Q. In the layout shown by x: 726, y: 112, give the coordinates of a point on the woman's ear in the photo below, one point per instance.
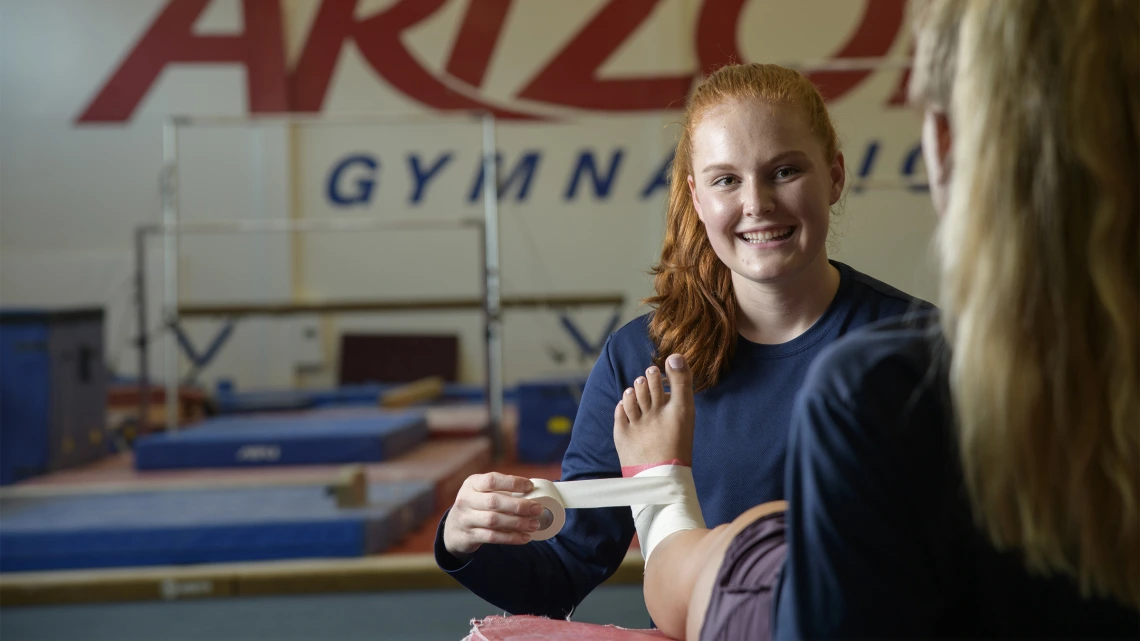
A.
x: 696, y: 202
x: 937, y: 155
x: 838, y: 177
x: 937, y: 134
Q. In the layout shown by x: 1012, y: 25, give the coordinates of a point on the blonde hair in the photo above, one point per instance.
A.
x: 695, y: 305
x: 1040, y: 250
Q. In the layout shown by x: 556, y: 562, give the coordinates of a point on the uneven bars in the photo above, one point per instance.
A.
x: 289, y: 224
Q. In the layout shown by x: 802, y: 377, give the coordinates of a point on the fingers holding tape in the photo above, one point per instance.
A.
x: 475, y: 520
x: 502, y: 522
x: 507, y: 504
x: 501, y: 538
x: 498, y: 482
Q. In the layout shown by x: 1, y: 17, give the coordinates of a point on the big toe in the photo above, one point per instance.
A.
x: 680, y: 379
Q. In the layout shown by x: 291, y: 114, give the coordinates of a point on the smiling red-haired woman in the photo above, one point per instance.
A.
x: 745, y: 292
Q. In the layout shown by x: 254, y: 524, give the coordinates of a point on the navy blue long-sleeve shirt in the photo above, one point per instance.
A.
x: 881, y: 540
x: 738, y: 452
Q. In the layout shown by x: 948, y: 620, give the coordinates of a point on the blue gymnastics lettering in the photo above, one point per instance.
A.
x: 908, y: 168
x: 421, y: 177
x: 363, y: 185
x: 660, y: 180
x: 867, y: 166
x: 522, y: 174
x: 587, y: 165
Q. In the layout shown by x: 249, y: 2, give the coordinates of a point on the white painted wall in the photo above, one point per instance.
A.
x: 71, y: 194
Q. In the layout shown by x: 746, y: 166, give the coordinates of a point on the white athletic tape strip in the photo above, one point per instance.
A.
x: 654, y: 522
x: 663, y: 500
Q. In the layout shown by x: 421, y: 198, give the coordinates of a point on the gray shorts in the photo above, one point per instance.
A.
x: 740, y: 606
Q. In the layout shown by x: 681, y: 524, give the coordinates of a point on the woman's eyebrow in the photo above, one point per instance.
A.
x: 783, y: 155
x: 717, y: 167
x: 786, y: 154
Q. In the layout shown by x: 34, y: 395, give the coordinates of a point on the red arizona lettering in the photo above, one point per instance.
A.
x: 378, y: 39
x: 569, y: 79
x: 900, y: 96
x: 170, y: 40
x: 476, y: 41
x: 716, y: 40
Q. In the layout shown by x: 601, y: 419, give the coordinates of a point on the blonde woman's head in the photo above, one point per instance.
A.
x: 1034, y: 109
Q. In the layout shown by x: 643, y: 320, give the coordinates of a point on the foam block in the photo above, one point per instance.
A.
x: 203, y: 526
x: 414, y: 393
x: 284, y: 440
x: 264, y: 401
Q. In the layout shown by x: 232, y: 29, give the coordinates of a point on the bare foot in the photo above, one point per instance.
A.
x: 652, y: 426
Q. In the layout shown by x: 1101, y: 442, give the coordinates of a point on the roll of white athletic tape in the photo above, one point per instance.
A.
x: 554, y: 515
x: 660, y: 486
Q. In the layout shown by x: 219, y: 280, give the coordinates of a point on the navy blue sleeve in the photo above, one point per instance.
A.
x: 859, y: 551
x: 550, y: 578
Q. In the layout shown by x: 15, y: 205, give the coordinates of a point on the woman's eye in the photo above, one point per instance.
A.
x: 725, y: 180
x: 786, y: 172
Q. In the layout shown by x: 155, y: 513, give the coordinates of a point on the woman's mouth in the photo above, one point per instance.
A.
x: 767, y: 236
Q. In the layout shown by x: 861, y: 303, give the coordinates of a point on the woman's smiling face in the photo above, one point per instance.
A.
x: 763, y: 189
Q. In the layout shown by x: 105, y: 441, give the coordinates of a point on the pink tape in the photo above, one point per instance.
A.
x: 634, y: 470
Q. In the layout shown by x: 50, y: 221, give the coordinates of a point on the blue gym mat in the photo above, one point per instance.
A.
x: 232, y: 402
x: 204, y: 526
x: 295, y: 439
x: 229, y: 401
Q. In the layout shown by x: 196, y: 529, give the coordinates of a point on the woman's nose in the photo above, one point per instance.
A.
x: 758, y: 200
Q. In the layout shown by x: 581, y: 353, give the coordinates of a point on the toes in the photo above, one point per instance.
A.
x: 656, y: 389
x: 621, y: 421
x: 629, y: 403
x: 680, y: 379
x: 641, y: 391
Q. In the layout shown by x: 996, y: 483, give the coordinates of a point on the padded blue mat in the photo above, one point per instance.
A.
x: 204, y: 526
x: 231, y: 402
x: 228, y: 401
x: 291, y: 439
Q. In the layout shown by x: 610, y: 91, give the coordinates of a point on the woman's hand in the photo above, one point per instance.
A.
x: 486, y: 511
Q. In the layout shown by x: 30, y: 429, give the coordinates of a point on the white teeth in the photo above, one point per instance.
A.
x: 764, y: 236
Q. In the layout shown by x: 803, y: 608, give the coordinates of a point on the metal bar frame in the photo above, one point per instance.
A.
x: 547, y: 302
x: 170, y: 228
x: 256, y: 225
x: 173, y: 311
x: 169, y: 275
x: 492, y: 309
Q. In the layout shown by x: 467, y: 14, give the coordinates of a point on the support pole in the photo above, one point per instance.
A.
x: 142, y: 340
x: 492, y: 295
x: 170, y: 267
x: 297, y: 292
